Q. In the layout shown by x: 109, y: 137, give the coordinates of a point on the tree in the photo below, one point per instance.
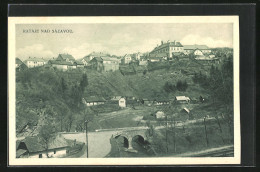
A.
x: 83, y: 83
x: 182, y: 85
x: 46, y: 134
x: 64, y: 86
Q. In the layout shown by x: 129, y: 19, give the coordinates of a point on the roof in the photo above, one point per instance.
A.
x: 159, y: 55
x: 167, y: 44
x: 182, y: 98
x: 193, y: 47
x: 35, y: 59
x: 67, y: 56
x: 19, y: 152
x: 34, y: 143
x: 59, y: 62
x: 127, y: 55
x: 99, y: 59
x: 177, y: 53
x: 95, y: 99
x: 162, y: 99
x: 110, y: 59
x: 186, y: 110
x: 79, y: 62
x: 18, y: 61
x: 116, y: 97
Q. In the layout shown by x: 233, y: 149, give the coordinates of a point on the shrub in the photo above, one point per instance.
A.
x: 182, y: 85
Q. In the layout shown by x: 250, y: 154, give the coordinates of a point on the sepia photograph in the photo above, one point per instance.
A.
x: 124, y: 90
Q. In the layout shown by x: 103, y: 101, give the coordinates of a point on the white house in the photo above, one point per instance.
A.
x: 127, y: 59
x: 34, y: 62
x: 33, y: 147
x: 198, y: 52
x: 122, y: 102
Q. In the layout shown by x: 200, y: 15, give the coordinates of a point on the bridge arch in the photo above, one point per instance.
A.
x: 139, y: 138
x: 126, y: 142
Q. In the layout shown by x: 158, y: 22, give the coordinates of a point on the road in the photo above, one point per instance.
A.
x: 99, y: 142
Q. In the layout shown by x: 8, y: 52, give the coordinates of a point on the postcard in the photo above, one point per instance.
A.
x: 135, y: 90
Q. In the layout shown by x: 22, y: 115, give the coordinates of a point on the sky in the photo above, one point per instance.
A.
x: 116, y: 39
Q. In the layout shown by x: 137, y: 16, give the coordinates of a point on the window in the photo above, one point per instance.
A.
x: 40, y: 155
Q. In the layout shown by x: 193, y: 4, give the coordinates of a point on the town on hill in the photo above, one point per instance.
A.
x: 170, y: 101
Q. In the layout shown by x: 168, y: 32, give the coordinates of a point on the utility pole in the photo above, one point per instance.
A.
x: 86, y: 126
x: 206, y: 134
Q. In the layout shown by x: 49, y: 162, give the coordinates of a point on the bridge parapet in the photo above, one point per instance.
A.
x: 130, y: 134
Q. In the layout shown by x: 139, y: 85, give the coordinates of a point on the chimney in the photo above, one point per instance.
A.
x: 174, y: 42
x: 161, y: 42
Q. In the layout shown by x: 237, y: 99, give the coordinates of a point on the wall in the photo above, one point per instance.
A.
x: 59, y: 153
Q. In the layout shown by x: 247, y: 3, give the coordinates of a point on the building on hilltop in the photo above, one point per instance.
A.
x: 65, y: 57
x: 19, y: 65
x: 104, y: 64
x: 92, y: 55
x: 188, y: 49
x: 127, y: 59
x: 110, y: 64
x: 168, y: 48
x: 60, y: 65
x: 35, y: 62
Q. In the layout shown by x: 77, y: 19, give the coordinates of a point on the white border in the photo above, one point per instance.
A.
x: 121, y: 161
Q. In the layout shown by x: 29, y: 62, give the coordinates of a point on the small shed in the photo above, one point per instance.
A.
x: 185, y: 110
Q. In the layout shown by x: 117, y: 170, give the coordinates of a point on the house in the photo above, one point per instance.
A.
x: 34, y: 62
x: 34, y: 147
x: 65, y: 57
x: 97, y: 64
x: 168, y: 48
x: 122, y: 102
x: 188, y: 49
x: 148, y: 102
x: 179, y: 56
x: 158, y: 56
x: 161, y: 102
x: 127, y: 59
x: 60, y: 65
x: 137, y: 56
x: 154, y: 59
x: 78, y: 64
x: 182, y: 99
x: 93, y: 101
x: 143, y: 62
x: 19, y: 65
x: 110, y: 64
x: 198, y: 52
x: 160, y: 115
x: 92, y: 55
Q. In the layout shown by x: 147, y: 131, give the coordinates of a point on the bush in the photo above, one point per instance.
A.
x: 182, y: 85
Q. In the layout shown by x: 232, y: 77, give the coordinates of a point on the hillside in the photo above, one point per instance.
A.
x: 50, y: 96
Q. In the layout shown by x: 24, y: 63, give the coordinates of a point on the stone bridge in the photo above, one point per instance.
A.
x: 128, y: 136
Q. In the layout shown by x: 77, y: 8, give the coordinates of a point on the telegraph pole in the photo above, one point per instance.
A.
x: 86, y: 125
